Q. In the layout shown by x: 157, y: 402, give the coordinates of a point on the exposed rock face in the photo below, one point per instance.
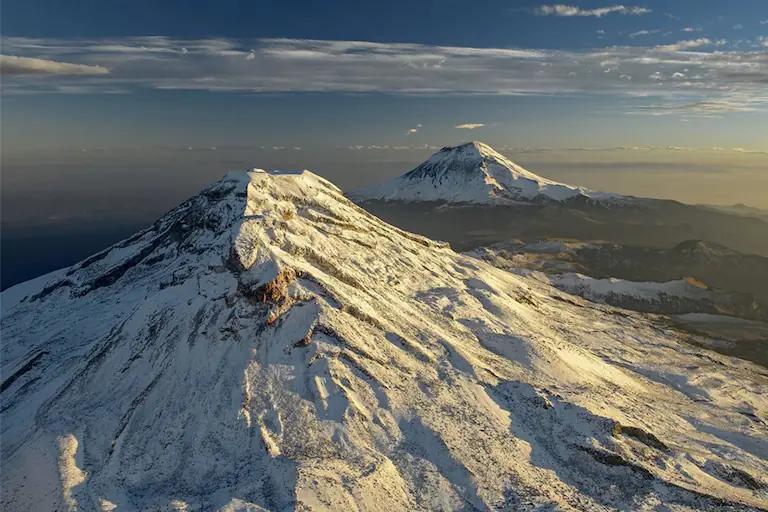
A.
x: 270, y: 345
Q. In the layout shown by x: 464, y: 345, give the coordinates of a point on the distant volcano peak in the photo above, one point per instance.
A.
x: 472, y: 172
x: 475, y: 146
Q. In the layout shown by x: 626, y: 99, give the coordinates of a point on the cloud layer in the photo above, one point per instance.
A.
x: 695, y: 76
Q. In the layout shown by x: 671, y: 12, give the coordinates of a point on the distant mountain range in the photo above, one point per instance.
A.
x: 740, y: 209
x: 693, y: 276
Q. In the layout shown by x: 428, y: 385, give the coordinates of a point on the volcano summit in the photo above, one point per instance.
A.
x: 473, y: 173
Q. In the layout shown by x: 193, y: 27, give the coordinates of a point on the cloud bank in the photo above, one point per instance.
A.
x: 697, y: 75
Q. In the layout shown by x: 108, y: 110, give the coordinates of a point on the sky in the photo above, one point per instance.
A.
x: 114, y: 110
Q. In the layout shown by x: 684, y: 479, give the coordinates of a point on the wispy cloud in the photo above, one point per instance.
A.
x: 750, y: 151
x: 12, y: 65
x: 572, y: 10
x: 413, y: 130
x: 683, y: 74
x: 690, y: 44
x: 469, y: 126
x: 643, y: 33
x: 705, y: 107
x: 387, y: 147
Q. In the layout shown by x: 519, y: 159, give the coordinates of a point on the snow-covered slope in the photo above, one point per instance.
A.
x: 472, y: 173
x: 671, y: 297
x: 270, y: 345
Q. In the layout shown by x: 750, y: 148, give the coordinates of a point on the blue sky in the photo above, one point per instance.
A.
x: 499, y: 23
x: 624, y: 82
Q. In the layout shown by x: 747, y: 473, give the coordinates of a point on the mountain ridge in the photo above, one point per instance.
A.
x: 269, y: 345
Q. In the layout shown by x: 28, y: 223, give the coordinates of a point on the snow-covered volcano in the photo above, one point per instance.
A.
x: 472, y: 173
x: 268, y: 345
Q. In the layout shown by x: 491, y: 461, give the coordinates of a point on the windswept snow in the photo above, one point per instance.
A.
x: 598, y: 289
x: 676, y: 296
x: 472, y: 173
x: 270, y: 345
